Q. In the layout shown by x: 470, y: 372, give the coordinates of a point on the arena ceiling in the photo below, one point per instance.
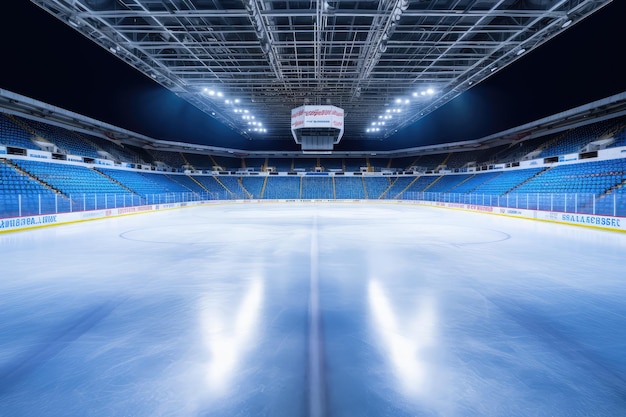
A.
x: 387, y: 63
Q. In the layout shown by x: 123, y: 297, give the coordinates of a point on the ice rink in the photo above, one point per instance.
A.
x: 313, y: 310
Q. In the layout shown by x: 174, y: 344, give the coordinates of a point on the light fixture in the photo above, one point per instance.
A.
x: 74, y: 22
x: 566, y: 24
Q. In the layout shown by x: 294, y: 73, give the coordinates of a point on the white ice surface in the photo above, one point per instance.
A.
x: 211, y: 311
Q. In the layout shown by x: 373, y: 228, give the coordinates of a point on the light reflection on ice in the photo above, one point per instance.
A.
x: 405, y: 338
x: 227, y: 336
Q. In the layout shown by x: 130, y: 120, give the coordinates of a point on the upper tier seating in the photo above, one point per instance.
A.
x: 304, y: 164
x: 332, y: 164
x: 574, y: 140
x: 281, y: 164
x: 354, y: 164
x: 67, y: 141
x: 118, y: 152
x: 199, y: 162
x: 171, y: 159
x: 228, y: 164
x: 12, y: 134
x: 256, y: 164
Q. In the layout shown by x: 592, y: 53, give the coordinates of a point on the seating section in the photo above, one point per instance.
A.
x: 471, y: 182
x: 118, y: 152
x: 501, y: 182
x: 304, y: 164
x: 517, y: 151
x: 461, y: 159
x: 430, y: 162
x: 21, y: 194
x: 446, y: 183
x: 31, y: 186
x: 354, y: 164
x: 613, y: 203
x: 281, y: 187
x: 574, y: 140
x: 229, y: 164
x: 84, y: 187
x: 574, y: 187
x: 620, y: 138
x: 71, y: 180
x: 332, y: 164
x: 187, y: 182
x: 419, y: 184
x: 171, y: 159
x: 317, y: 187
x: 28, y: 186
x: 376, y: 186
x: 199, y: 162
x: 378, y: 164
x: 12, y: 134
x: 254, y: 186
x: 256, y: 164
x: 588, y: 177
x: 281, y: 164
x: 400, y: 164
x: 67, y: 141
x: 234, y: 186
x: 398, y: 186
x: 145, y: 184
x: 349, y: 188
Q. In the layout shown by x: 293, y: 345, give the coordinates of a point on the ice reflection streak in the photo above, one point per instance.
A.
x: 406, y: 344
x: 228, y: 336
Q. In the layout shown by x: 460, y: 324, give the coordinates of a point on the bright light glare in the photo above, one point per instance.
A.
x: 407, y: 344
x: 227, y: 336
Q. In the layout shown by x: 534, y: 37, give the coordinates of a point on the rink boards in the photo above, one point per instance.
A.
x: 30, y: 222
